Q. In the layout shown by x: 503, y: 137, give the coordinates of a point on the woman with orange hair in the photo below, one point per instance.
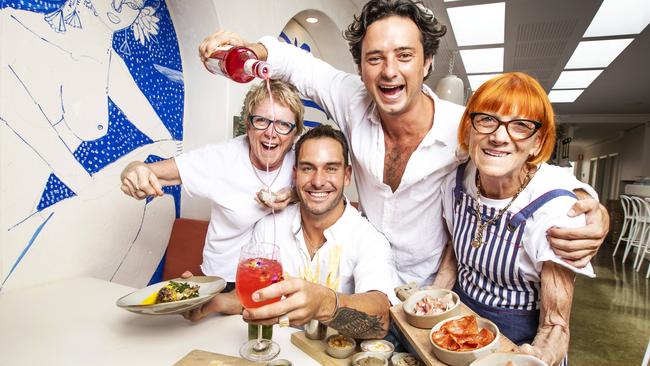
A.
x: 504, y: 200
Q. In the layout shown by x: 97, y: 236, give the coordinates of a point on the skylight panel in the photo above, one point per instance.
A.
x: 590, y: 54
x: 576, y: 79
x: 478, y: 24
x: 483, y: 60
x: 616, y: 17
x: 477, y: 80
x: 564, y: 96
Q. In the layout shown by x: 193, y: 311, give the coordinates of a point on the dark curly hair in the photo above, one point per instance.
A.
x: 374, y: 10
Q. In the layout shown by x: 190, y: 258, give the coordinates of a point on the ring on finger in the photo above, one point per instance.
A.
x: 283, y: 321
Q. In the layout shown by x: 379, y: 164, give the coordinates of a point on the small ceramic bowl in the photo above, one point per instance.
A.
x: 369, y: 359
x: 456, y: 358
x: 340, y: 346
x: 428, y: 321
x: 378, y: 345
x: 501, y: 358
x: 405, y: 359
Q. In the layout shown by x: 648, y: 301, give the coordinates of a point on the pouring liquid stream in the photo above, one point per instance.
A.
x: 260, y: 346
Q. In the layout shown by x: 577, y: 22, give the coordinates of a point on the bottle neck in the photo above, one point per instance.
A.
x: 257, y: 68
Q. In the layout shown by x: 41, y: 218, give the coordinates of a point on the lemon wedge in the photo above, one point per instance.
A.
x: 151, y: 299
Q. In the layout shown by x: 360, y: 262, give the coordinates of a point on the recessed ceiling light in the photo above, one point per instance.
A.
x: 311, y: 20
x: 576, y: 79
x: 477, y: 80
x: 590, y: 54
x: 564, y: 96
x: 616, y: 17
x: 469, y: 24
x: 483, y: 60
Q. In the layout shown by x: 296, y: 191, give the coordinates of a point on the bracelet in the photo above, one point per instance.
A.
x: 336, y: 307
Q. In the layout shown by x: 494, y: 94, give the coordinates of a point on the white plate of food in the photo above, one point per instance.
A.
x: 172, y: 297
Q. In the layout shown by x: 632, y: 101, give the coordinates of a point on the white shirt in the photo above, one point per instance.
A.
x: 410, y: 217
x: 223, y: 173
x: 355, y: 257
x: 537, y: 249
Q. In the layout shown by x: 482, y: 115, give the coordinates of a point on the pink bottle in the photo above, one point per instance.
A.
x: 238, y: 63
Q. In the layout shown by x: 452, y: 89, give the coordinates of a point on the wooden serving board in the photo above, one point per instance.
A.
x: 204, y: 358
x: 419, y: 338
x: 316, y: 349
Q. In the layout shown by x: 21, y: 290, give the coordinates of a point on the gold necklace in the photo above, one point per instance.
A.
x: 308, y: 243
x: 478, y: 234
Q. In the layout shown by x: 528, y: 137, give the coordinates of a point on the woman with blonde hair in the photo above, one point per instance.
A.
x: 499, y: 206
x: 230, y: 175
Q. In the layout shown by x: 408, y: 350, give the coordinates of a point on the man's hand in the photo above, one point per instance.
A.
x: 223, y: 38
x: 304, y: 301
x: 216, y: 40
x: 139, y: 181
x: 578, y: 245
x: 276, y: 201
x: 224, y: 303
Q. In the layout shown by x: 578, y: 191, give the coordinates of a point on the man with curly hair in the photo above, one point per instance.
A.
x: 402, y: 136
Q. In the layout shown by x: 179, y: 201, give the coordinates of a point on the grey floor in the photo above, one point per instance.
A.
x: 610, y: 320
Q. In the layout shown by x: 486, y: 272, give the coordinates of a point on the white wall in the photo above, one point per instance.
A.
x: 632, y: 150
x: 252, y: 20
x: 206, y: 96
x: 57, y: 105
x: 85, y: 89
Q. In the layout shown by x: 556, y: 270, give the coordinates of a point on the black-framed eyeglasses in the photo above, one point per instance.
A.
x: 262, y: 123
x: 518, y: 129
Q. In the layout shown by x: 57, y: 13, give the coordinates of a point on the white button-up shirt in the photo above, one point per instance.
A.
x: 410, y: 217
x: 355, y: 257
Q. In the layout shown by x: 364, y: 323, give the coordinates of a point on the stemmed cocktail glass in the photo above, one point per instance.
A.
x: 259, y: 266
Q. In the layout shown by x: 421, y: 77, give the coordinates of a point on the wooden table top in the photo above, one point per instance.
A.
x: 419, y: 338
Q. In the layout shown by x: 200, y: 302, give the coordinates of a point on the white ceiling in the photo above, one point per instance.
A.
x: 540, y: 37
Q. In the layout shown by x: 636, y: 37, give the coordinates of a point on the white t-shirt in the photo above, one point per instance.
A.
x: 355, y: 258
x: 410, y: 217
x: 537, y: 249
x: 223, y: 173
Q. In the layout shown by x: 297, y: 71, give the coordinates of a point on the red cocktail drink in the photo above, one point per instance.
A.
x: 259, y: 266
x: 254, y: 274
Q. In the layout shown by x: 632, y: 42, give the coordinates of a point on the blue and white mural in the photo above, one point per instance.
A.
x: 87, y: 86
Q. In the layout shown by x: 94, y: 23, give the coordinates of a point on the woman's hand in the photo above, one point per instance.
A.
x: 548, y: 345
x: 276, y: 201
x: 578, y: 245
x: 139, y: 181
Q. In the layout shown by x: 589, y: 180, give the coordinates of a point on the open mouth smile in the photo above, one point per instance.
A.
x: 391, y: 91
x: 269, y: 146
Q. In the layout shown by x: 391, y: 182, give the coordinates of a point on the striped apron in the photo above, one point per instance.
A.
x: 489, y: 279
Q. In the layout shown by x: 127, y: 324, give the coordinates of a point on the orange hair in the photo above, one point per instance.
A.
x: 513, y: 93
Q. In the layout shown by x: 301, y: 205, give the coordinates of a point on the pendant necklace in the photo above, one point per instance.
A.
x: 478, y: 234
x: 264, y: 185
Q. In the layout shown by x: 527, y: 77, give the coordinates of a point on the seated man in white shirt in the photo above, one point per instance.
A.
x: 339, y: 266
